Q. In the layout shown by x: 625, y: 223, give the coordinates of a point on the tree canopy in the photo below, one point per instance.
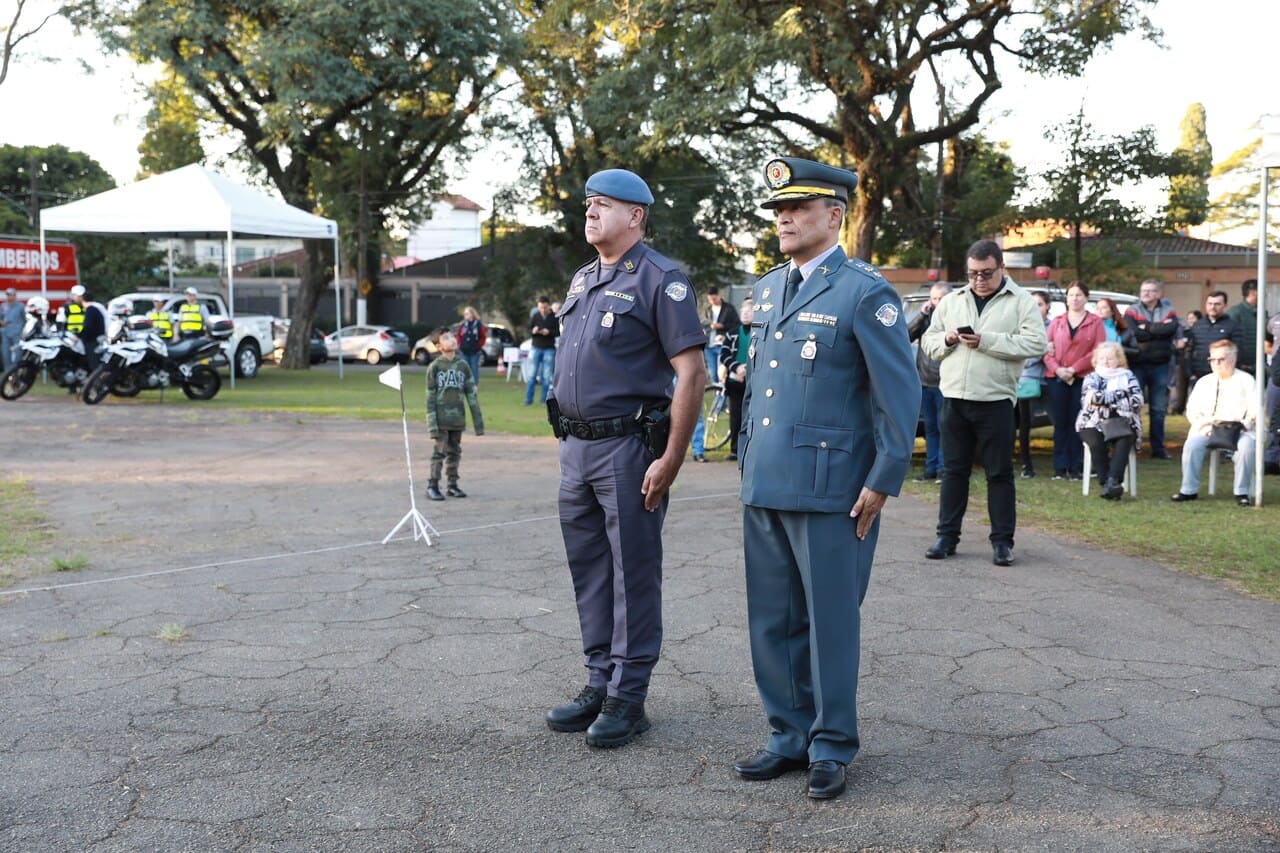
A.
x: 300, y: 85
x: 108, y: 265
x: 1192, y: 165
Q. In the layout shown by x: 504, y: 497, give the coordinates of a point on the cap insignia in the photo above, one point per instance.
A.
x: 778, y: 174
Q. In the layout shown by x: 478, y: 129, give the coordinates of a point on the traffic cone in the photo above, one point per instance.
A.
x: 502, y: 368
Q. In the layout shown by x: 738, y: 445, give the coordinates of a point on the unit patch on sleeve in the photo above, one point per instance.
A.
x: 677, y: 291
x: 818, y: 319
x: 887, y: 314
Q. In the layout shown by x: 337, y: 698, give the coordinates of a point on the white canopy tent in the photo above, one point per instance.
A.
x: 192, y: 201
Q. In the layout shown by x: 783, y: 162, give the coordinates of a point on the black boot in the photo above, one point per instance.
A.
x: 433, y: 491
x: 579, y: 712
x: 619, y: 722
x: 1112, y: 491
x: 454, y: 492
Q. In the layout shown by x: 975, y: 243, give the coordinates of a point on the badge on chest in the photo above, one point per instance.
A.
x: 809, y: 351
x: 607, y: 320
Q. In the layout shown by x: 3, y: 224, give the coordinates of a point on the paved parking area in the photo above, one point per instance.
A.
x: 332, y: 693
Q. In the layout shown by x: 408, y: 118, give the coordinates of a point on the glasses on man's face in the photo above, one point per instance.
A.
x: 1217, y: 360
x: 981, y: 275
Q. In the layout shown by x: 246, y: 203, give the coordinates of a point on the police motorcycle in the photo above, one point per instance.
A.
x: 137, y: 359
x: 58, y: 351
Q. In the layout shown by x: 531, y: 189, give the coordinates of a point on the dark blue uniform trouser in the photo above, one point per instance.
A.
x: 614, y: 548
x: 807, y: 573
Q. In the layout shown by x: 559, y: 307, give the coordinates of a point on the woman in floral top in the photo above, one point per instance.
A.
x: 1110, y: 391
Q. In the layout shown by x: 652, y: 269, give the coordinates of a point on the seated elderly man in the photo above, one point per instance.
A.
x: 1224, y: 397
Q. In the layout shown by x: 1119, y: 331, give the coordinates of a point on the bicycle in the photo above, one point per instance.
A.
x: 715, y: 417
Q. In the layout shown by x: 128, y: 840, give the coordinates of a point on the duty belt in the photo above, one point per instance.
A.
x: 607, y: 428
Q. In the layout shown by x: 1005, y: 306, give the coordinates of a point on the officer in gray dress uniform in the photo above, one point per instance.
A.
x: 629, y: 323
x: 828, y: 426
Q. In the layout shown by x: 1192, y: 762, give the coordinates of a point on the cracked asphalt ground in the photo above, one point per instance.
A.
x: 332, y: 693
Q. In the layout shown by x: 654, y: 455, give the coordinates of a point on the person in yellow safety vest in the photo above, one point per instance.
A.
x: 72, y: 313
x: 193, y: 318
x: 161, y: 320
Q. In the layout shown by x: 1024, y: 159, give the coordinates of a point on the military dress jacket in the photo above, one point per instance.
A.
x: 832, y: 396
x: 620, y: 327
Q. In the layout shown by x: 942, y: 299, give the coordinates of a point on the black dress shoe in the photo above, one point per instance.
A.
x: 1160, y: 454
x: 433, y: 492
x: 1002, y: 554
x: 578, y: 713
x: 826, y: 779
x: 1179, y: 497
x: 455, y: 492
x: 1113, y: 490
x: 1243, y: 500
x: 765, y: 765
x: 941, y: 548
x: 618, y: 724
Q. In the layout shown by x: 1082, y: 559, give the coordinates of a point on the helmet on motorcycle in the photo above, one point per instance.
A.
x: 120, y: 307
x: 38, y: 305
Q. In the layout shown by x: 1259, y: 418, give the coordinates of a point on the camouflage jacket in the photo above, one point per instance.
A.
x: 449, y: 380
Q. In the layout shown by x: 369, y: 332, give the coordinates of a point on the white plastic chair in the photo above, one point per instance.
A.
x: 1130, y: 472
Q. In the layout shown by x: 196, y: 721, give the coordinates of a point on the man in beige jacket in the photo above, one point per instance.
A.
x: 981, y: 334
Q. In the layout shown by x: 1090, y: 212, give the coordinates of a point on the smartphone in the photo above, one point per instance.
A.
x: 965, y: 330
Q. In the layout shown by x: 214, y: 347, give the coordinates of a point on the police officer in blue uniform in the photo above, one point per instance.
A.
x: 829, y: 419
x: 628, y: 324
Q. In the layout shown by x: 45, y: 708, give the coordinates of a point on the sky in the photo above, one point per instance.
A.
x: 1213, y: 54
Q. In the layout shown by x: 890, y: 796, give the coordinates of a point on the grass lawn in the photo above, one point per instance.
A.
x: 1212, y: 536
x: 25, y: 528
x: 358, y: 394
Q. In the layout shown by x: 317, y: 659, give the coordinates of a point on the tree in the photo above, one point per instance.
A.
x: 1192, y: 165
x: 172, y: 139
x: 772, y: 61
x: 1237, y: 206
x: 593, y: 77
x: 1080, y: 191
x: 977, y: 182
x: 15, y: 32
x: 56, y: 175
x: 303, y: 85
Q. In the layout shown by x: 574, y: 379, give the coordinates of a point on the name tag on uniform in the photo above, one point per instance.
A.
x: 817, y: 319
x: 809, y: 351
x: 627, y: 296
x: 607, y: 320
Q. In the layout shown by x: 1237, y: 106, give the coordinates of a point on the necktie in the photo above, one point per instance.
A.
x: 793, y: 284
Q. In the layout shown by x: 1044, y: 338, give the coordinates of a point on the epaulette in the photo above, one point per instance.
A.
x: 662, y: 262
x: 588, y: 265
x: 863, y: 266
x: 773, y: 269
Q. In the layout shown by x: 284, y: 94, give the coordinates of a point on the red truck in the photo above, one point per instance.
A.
x: 20, y: 263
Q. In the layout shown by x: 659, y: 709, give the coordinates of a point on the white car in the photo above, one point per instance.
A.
x: 369, y: 343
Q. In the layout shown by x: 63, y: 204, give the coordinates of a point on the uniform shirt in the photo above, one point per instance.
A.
x: 832, y: 391
x: 620, y: 328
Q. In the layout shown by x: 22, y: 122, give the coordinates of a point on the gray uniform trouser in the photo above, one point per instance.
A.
x: 807, y: 573
x: 614, y: 549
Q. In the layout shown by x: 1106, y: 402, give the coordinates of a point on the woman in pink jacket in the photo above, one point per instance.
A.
x: 1073, y: 337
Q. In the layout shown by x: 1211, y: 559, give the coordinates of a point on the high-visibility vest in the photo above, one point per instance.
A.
x: 190, y: 321
x: 162, y: 323
x: 75, y: 318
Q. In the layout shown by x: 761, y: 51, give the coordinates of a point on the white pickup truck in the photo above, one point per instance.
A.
x: 244, y: 349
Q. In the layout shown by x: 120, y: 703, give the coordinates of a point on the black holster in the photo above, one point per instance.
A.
x: 553, y: 416
x: 655, y: 426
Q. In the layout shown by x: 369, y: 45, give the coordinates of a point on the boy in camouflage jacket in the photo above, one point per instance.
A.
x: 449, y: 379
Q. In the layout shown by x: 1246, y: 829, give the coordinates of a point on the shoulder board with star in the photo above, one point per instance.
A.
x: 863, y: 266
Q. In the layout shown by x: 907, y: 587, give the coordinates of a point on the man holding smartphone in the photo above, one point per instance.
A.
x: 980, y: 335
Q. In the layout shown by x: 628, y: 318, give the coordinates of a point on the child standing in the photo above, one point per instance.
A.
x: 449, y: 379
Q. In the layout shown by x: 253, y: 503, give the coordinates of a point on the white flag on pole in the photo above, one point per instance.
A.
x: 391, y: 378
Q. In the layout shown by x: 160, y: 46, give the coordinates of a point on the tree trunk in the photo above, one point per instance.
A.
x: 858, y: 233
x: 297, y: 347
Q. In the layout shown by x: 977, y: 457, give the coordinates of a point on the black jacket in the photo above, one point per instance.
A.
x: 1206, y: 332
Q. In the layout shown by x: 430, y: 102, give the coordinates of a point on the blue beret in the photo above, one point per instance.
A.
x: 794, y: 179
x: 620, y: 184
